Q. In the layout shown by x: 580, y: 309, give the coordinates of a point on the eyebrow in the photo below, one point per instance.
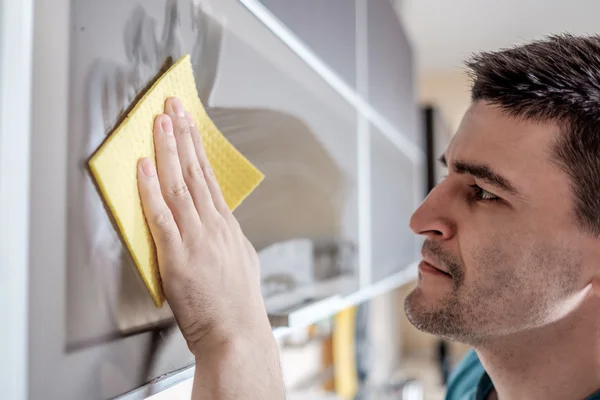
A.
x: 484, y: 172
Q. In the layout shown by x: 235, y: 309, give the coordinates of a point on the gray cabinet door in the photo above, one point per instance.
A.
x: 93, y: 329
x: 393, y: 184
x: 328, y: 27
x: 391, y: 87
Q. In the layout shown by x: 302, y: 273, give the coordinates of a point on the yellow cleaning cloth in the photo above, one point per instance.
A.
x: 114, y: 166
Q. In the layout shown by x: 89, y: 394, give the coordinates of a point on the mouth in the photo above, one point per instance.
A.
x: 427, y: 267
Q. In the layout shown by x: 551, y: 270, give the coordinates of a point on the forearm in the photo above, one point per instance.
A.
x: 242, y: 368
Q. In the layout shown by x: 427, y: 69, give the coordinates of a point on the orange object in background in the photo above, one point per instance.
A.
x: 339, y: 352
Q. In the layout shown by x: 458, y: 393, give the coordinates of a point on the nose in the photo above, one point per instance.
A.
x: 433, y: 218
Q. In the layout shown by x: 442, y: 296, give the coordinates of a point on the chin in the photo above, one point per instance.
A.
x: 424, y: 299
x: 440, y: 317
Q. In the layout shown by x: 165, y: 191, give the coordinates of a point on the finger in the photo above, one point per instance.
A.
x: 209, y: 175
x: 162, y: 225
x: 173, y: 187
x: 192, y: 172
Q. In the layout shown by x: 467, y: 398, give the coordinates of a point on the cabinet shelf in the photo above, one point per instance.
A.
x: 297, y: 317
x: 179, y: 384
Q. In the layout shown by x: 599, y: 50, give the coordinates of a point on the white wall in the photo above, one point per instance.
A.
x: 450, y: 91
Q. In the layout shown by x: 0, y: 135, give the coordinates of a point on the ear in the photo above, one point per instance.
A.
x: 596, y: 285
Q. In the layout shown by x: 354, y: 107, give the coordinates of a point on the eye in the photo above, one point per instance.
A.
x: 482, y: 195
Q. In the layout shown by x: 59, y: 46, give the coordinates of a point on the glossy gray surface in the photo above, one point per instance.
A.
x: 90, y: 317
x: 392, y: 185
x: 91, y: 58
x: 327, y: 27
x: 265, y: 113
x: 391, y: 83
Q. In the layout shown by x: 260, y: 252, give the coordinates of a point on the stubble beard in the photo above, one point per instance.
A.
x: 446, y: 320
x: 450, y: 318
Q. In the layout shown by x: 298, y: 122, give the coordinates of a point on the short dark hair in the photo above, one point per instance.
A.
x: 554, y: 79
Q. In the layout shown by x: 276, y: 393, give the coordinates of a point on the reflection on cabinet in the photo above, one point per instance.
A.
x: 328, y: 28
x: 392, y: 196
x: 391, y: 81
x: 94, y: 332
x: 300, y: 134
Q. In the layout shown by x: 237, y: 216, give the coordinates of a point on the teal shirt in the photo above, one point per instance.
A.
x: 469, y: 381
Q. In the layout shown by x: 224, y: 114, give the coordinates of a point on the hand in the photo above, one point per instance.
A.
x: 209, y: 269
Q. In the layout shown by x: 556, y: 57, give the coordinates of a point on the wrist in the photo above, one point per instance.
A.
x: 239, y: 366
x: 222, y: 341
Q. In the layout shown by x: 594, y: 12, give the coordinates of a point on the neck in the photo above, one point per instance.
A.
x: 561, y: 361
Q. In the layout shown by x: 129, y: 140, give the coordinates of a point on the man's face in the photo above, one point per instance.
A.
x: 502, y: 225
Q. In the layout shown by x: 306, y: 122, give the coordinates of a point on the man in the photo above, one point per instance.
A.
x: 512, y: 235
x: 512, y: 239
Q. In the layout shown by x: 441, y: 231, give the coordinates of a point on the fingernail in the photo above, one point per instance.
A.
x: 148, y: 167
x: 167, y: 125
x: 190, y: 120
x: 177, y: 107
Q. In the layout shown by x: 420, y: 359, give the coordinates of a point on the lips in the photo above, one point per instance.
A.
x: 432, y: 264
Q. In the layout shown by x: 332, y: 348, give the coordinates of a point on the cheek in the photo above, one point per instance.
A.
x: 516, y: 255
x: 493, y: 277
x: 491, y: 258
x: 520, y: 274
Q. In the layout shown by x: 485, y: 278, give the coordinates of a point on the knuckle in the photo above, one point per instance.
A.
x: 167, y: 238
x: 209, y: 171
x: 182, y: 128
x: 232, y: 220
x: 220, y: 230
x: 179, y: 190
x: 225, y: 228
x: 163, y: 218
x: 194, y: 172
x: 172, y: 149
x: 220, y: 227
x: 162, y: 221
x: 250, y: 249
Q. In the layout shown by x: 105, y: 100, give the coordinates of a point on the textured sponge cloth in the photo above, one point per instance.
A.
x: 114, y: 166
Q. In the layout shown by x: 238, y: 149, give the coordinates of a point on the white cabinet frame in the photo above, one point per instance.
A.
x: 16, y: 31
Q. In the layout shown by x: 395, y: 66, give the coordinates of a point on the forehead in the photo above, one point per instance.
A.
x: 516, y: 147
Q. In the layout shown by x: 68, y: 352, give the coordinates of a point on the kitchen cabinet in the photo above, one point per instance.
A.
x: 328, y: 28
x: 394, y: 180
x: 307, y: 112
x: 391, y: 70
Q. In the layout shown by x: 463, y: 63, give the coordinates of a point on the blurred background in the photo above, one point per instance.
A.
x: 344, y: 105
